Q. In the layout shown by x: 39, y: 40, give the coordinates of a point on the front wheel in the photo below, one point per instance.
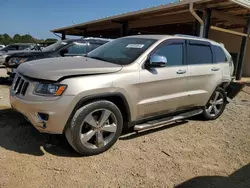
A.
x: 95, y: 127
x: 216, y: 105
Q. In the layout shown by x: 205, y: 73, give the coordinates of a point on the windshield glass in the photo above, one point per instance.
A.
x: 122, y: 51
x: 55, y: 46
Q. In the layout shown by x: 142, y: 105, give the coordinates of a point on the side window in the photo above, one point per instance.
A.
x: 173, y: 53
x: 77, y: 49
x: 12, y: 47
x: 23, y: 47
x: 219, y: 55
x: 199, y: 54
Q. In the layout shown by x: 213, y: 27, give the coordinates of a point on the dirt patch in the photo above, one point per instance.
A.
x: 190, y: 154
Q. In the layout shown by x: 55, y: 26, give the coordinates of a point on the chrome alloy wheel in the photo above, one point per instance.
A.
x: 98, y: 129
x: 215, y: 105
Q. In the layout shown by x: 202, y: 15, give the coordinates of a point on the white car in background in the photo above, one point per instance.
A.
x: 2, y: 46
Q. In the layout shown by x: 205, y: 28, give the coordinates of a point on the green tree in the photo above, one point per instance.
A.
x: 27, y: 38
x: 17, y: 38
x: 50, y: 40
x: 6, y: 39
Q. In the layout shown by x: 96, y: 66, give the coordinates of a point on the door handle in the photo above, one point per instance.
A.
x: 181, y: 71
x: 215, y: 69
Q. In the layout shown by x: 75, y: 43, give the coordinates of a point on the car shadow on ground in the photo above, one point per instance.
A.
x: 16, y: 134
x: 238, y: 179
x: 5, y: 81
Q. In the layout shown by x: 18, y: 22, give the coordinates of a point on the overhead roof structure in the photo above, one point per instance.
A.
x: 170, y: 18
x: 192, y: 17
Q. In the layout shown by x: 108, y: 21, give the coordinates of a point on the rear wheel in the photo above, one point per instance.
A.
x: 95, y: 128
x: 216, y: 105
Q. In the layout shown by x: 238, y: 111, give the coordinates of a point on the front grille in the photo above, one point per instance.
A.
x: 20, y: 86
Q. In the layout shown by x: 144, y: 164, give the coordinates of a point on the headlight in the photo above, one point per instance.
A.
x: 16, y: 61
x: 50, y: 89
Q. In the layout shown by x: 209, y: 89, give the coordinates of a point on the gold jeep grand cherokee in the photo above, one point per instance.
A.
x: 137, y: 81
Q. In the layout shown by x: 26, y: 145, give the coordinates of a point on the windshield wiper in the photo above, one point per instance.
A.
x: 102, y: 59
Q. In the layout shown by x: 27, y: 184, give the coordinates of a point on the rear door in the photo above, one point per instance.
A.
x: 225, y: 62
x: 204, y: 73
x: 164, y: 89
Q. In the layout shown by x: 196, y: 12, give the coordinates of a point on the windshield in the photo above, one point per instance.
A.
x: 122, y: 51
x: 55, y: 46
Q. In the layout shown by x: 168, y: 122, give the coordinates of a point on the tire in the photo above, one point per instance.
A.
x: 217, y: 101
x: 88, y: 122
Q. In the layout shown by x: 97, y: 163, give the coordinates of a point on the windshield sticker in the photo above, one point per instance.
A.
x: 64, y: 43
x: 135, y: 46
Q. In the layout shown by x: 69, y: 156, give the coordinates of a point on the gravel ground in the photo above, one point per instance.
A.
x: 194, y: 153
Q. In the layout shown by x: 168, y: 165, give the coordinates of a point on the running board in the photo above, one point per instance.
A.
x: 159, y: 122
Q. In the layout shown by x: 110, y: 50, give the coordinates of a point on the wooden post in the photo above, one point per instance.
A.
x: 124, y: 29
x: 207, y: 23
x: 63, y: 36
x: 243, y: 48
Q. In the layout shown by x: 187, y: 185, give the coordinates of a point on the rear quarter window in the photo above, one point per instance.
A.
x: 219, y: 55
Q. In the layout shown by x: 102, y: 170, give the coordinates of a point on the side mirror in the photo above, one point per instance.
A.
x: 157, y: 61
x: 64, y: 51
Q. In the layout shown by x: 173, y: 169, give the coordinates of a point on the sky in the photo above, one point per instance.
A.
x: 37, y: 17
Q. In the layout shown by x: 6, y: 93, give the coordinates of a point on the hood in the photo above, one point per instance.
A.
x: 55, y: 68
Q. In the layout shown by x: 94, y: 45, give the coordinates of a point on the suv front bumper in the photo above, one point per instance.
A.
x: 58, y: 112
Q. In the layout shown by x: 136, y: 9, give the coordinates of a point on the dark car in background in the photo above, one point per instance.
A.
x: 19, y: 46
x: 68, y: 47
x: 16, y: 48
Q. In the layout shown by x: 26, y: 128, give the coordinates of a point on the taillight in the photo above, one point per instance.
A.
x: 231, y: 66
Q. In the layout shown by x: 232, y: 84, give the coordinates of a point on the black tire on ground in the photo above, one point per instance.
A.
x: 73, y: 131
x: 222, y: 94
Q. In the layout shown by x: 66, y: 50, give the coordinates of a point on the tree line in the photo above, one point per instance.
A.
x: 6, y: 39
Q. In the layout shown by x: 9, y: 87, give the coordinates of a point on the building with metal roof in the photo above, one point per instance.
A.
x: 225, y: 21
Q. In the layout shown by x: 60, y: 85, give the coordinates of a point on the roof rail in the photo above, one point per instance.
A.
x: 189, y: 36
x: 194, y: 37
x: 97, y: 38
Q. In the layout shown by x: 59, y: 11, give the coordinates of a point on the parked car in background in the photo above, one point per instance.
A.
x: 2, y: 46
x: 140, y: 81
x: 68, y: 47
x: 19, y: 46
x: 14, y: 48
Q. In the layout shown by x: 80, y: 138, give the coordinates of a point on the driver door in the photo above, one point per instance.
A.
x: 164, y: 89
